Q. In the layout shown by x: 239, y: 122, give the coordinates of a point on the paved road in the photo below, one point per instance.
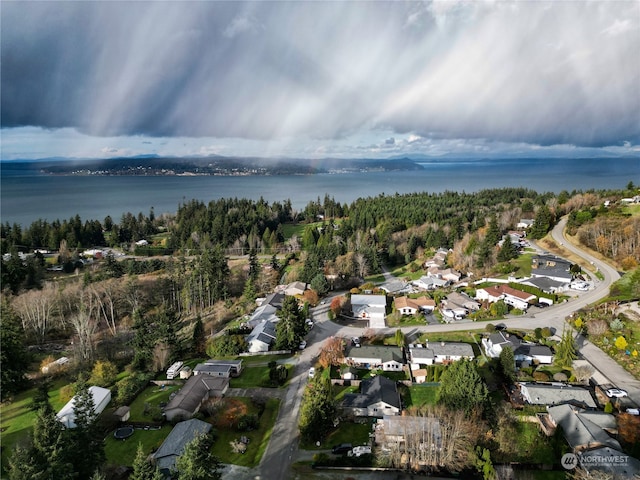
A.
x: 282, y: 450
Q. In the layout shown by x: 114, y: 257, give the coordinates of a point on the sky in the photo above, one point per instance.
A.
x: 320, y: 79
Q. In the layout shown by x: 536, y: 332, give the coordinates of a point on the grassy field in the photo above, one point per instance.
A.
x: 152, y: 396
x: 123, y: 452
x: 16, y: 419
x: 291, y: 229
x: 253, y: 377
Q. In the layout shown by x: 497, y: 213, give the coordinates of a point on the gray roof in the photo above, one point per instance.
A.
x: 531, y: 350
x: 545, y: 394
x: 373, y: 390
x: 452, y: 348
x: 500, y: 338
x: 211, y: 368
x: 545, y: 284
x: 551, y: 266
x: 630, y: 468
x: 385, y: 353
x: 174, y: 444
x: 262, y: 331
x: 579, y: 430
x: 195, y: 390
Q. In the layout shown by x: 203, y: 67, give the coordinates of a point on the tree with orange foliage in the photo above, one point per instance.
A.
x: 336, y: 305
x: 311, y: 296
x: 332, y: 352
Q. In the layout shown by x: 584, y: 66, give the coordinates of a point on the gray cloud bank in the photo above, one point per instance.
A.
x: 536, y: 72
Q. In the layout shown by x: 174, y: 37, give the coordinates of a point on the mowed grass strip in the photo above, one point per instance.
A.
x: 152, y: 395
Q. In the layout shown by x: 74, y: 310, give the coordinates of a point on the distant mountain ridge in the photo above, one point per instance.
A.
x: 210, y: 165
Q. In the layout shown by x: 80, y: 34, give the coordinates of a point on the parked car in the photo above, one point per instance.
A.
x: 342, y: 448
x: 359, y: 450
x: 616, y: 392
x: 541, y: 305
x: 303, y: 344
x: 312, y: 372
x: 633, y: 411
x: 355, y: 341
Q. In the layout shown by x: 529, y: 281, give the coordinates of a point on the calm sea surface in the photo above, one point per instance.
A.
x: 28, y: 196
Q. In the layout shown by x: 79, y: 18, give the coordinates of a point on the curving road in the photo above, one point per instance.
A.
x: 283, y: 445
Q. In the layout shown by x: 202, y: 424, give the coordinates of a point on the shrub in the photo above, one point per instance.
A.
x: 541, y: 376
x: 248, y: 422
x: 129, y: 387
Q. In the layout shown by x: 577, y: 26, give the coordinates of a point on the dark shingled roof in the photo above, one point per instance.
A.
x: 374, y: 390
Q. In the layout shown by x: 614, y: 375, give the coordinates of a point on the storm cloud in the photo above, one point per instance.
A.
x: 541, y: 73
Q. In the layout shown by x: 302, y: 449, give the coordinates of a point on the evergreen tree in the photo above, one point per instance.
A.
x: 254, y: 266
x: 197, y: 462
x: 199, y: 338
x: 24, y: 464
x: 142, y: 468
x: 542, y: 223
x: 493, y: 234
x: 85, y: 439
x: 317, y: 410
x: 507, y: 251
x: 507, y: 365
x: 290, y: 329
x: 565, y: 352
x: 462, y: 387
x: 319, y: 284
x: 14, y: 359
x: 51, y: 447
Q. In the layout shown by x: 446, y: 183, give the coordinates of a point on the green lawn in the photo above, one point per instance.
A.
x: 16, y: 419
x: 346, y: 432
x: 123, y: 452
x: 418, y: 395
x: 253, y: 377
x: 291, y: 229
x: 153, y: 395
x: 257, y: 445
x: 534, y: 446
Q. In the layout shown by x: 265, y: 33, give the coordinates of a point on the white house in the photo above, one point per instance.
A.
x: 370, y: 307
x: 387, y: 357
x: 101, y: 398
x: 439, y: 353
x: 551, y: 267
x: 525, y: 223
x: 262, y: 337
x: 529, y: 352
x: 430, y: 283
x: 510, y: 296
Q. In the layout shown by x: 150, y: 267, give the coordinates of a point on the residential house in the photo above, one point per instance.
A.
x: 546, y: 284
x: 533, y: 353
x: 553, y: 394
x: 522, y: 351
x: 267, y: 310
x: 219, y: 368
x: 551, y: 267
x: 395, y: 431
x: 194, y: 392
x: 101, y: 398
x: 524, y: 223
x: 175, y: 443
x: 386, y: 357
x: 510, y: 296
x: 584, y: 429
x: 439, y: 259
x: 411, y: 306
x: 430, y: 283
x: 378, y: 396
x: 295, y: 288
x: 370, y: 307
x: 439, y: 353
x: 262, y: 337
x: 396, y: 286
x: 448, y: 274
x: 455, y: 300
